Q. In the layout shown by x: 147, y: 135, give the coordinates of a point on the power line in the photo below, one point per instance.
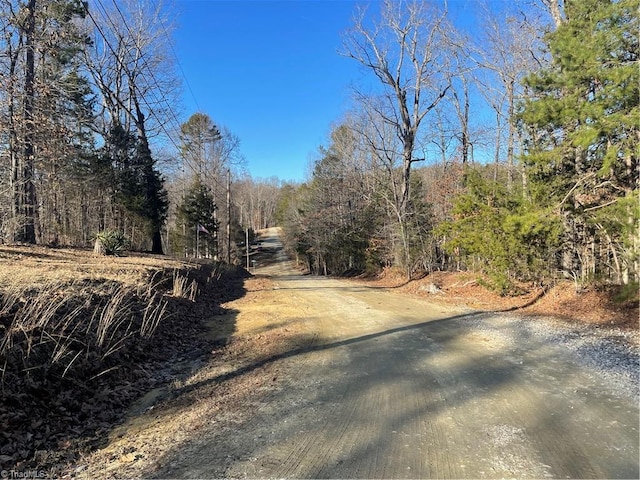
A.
x: 175, y: 55
x: 134, y: 85
x: 158, y: 88
x: 145, y: 64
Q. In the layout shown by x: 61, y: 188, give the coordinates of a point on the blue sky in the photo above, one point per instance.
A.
x: 269, y: 71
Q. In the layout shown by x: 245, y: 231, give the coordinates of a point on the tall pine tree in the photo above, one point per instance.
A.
x: 583, y: 153
x: 46, y: 110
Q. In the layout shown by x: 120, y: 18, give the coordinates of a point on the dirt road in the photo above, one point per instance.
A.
x: 355, y: 382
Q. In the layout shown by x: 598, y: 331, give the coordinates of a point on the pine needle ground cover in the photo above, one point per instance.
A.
x: 611, y: 306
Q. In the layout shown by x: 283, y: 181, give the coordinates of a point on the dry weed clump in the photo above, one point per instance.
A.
x: 82, y: 337
x: 57, y: 327
x: 182, y: 288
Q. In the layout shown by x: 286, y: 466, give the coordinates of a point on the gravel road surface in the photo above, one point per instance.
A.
x: 327, y: 378
x: 394, y: 387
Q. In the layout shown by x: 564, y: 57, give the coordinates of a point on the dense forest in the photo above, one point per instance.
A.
x: 512, y: 152
x: 547, y: 190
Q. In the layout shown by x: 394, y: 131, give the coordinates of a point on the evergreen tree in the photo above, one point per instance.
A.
x: 137, y: 185
x: 155, y: 199
x: 197, y: 208
x: 198, y: 135
x: 120, y: 152
x: 583, y: 152
x: 496, y: 232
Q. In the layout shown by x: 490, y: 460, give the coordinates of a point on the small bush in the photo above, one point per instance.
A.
x: 627, y: 293
x: 111, y: 242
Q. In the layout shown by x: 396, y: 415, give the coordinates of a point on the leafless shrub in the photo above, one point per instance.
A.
x: 61, y: 324
x: 182, y: 288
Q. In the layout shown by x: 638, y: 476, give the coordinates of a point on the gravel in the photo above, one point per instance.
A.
x: 611, y: 354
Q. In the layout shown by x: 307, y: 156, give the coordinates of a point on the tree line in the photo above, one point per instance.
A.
x: 512, y: 151
x: 77, y: 121
x: 91, y: 144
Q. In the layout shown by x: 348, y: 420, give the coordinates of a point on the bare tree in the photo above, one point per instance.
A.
x: 13, y: 45
x: 28, y: 167
x: 509, y: 50
x: 40, y: 110
x: 130, y: 65
x: 556, y: 10
x: 408, y: 50
x: 19, y: 77
x: 131, y: 69
x: 256, y: 201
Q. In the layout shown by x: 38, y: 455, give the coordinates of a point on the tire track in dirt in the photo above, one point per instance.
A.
x: 501, y: 404
x: 369, y: 383
x: 391, y: 388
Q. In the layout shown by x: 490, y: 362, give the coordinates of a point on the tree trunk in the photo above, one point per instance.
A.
x: 98, y: 248
x: 496, y: 157
x: 463, y: 116
x: 15, y: 183
x: 555, y: 11
x: 156, y: 242
x: 512, y: 132
x: 29, y: 233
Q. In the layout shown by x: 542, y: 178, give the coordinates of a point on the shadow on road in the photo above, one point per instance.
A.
x: 434, y: 399
x: 315, y: 347
x: 327, y: 404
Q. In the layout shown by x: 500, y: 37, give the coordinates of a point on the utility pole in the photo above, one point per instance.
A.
x: 246, y: 243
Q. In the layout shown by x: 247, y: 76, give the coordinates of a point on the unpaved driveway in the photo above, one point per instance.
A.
x: 331, y: 379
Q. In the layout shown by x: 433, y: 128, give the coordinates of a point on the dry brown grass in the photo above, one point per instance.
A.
x: 82, y: 335
x: 61, y: 307
x: 182, y: 288
x: 595, y: 305
x: 35, y: 265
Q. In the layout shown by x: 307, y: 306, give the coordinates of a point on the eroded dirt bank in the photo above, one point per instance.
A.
x: 330, y: 379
